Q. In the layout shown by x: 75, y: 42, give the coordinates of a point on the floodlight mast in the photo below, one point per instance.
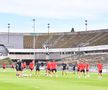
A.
x: 8, y: 32
x: 86, y: 25
x: 34, y: 40
x: 47, y: 47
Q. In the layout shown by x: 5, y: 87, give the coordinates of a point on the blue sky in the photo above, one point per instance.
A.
x: 61, y: 14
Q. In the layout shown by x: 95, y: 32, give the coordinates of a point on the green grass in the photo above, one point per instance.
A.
x: 8, y: 81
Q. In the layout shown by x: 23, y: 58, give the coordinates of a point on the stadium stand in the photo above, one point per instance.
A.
x: 68, y: 39
x: 63, y: 43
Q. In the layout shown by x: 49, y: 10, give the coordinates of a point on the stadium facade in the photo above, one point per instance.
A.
x: 55, y: 45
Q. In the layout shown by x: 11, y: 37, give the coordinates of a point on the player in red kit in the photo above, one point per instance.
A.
x: 4, y: 66
x: 81, y: 69
x: 31, y: 66
x: 24, y: 65
x: 12, y: 66
x: 87, y: 66
x: 78, y: 69
x: 49, y: 69
x: 54, y: 67
x: 23, y: 68
x: 99, y: 67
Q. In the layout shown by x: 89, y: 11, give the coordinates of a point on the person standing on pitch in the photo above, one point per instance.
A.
x: 81, y: 68
x: 64, y: 68
x: 19, y: 63
x: 54, y: 67
x: 78, y: 69
x: 87, y: 67
x: 99, y: 67
x: 74, y: 68
x: 31, y: 67
x: 4, y: 66
x: 38, y: 64
x: 49, y: 68
x: 12, y: 66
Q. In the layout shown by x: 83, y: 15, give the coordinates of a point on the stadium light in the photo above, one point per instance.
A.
x: 47, y: 47
x: 34, y: 37
x: 85, y: 25
x: 48, y: 32
x: 8, y: 32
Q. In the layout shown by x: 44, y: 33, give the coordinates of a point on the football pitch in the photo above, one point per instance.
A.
x: 9, y: 81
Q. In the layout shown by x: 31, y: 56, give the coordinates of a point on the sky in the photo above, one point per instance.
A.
x: 61, y: 14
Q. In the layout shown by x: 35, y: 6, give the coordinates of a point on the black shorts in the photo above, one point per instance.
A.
x: 100, y: 71
x: 37, y: 69
x: 19, y: 69
x: 82, y: 70
x: 64, y: 69
x: 54, y: 70
x: 73, y: 69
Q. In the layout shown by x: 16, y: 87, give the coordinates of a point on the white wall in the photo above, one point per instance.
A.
x: 15, y: 40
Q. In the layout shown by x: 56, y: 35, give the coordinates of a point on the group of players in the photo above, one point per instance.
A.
x: 51, y: 67
x: 82, y: 68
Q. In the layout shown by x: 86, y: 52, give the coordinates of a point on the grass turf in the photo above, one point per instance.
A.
x: 8, y: 81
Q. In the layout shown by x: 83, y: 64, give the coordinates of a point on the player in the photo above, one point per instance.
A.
x: 16, y: 67
x: 78, y: 69
x: 38, y: 64
x: 31, y: 66
x: 99, y: 66
x: 19, y: 68
x: 25, y: 65
x: 12, y: 66
x: 74, y: 68
x: 22, y: 66
x: 65, y: 68
x: 49, y: 68
x: 87, y: 67
x: 54, y: 67
x: 82, y: 68
x: 4, y: 66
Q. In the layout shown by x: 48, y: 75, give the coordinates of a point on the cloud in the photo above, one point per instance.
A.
x: 55, y: 8
x: 73, y: 11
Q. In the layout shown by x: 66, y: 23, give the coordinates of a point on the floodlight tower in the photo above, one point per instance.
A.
x: 86, y: 25
x: 48, y: 32
x: 48, y: 38
x: 8, y: 32
x: 34, y: 37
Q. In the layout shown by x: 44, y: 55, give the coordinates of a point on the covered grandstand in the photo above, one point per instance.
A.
x: 60, y: 45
